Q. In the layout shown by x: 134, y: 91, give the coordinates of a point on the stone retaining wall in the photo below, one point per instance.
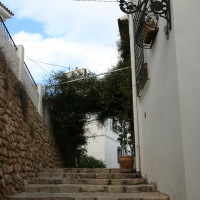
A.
x: 26, y: 144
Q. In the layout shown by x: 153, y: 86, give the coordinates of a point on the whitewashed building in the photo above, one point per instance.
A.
x: 168, y: 105
x: 102, y: 142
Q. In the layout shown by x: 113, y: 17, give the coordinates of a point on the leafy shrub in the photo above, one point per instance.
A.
x: 90, y: 162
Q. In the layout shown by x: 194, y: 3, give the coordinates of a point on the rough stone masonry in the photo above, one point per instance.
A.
x: 26, y: 143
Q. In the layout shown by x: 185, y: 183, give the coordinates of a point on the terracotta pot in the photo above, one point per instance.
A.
x: 126, y: 163
x: 148, y: 31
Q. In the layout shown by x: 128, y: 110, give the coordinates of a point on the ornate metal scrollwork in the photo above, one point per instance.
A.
x: 158, y: 7
x: 129, y: 8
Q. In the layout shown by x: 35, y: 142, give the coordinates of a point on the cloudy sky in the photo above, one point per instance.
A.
x: 68, y: 33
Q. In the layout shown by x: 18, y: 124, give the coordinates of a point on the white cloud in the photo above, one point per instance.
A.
x: 82, y: 34
x: 60, y: 52
x: 68, y: 16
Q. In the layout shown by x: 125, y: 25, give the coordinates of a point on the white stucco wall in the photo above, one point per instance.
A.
x: 95, y: 141
x: 25, y: 77
x: 169, y: 134
x: 111, y: 144
x: 30, y: 88
x: 104, y: 143
x: 186, y: 20
x: 96, y: 147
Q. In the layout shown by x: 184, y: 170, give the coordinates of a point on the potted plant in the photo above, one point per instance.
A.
x: 126, y: 139
x: 150, y: 29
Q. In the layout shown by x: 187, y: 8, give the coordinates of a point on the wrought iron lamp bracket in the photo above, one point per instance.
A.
x: 130, y: 8
x: 158, y: 7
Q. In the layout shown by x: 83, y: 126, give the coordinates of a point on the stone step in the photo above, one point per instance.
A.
x: 82, y: 170
x: 88, y: 184
x: 66, y: 188
x: 89, y: 196
x: 134, y: 181
x: 86, y: 175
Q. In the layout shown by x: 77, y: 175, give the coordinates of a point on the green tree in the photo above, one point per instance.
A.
x: 123, y: 45
x: 69, y: 105
x: 117, y: 92
x: 116, y: 103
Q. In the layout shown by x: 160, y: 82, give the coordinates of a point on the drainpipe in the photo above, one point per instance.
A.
x: 134, y: 91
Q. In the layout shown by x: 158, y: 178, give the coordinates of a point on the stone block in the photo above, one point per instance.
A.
x: 16, y: 167
x: 1, y: 173
x: 2, y: 183
x: 1, y: 124
x: 8, y: 179
x: 16, y: 141
x: 9, y: 189
x: 5, y: 143
x: 25, y: 182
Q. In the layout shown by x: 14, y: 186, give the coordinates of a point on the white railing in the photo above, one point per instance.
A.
x: 14, y: 57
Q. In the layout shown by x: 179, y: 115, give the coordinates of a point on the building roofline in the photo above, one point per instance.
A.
x: 6, y: 9
x: 5, y: 12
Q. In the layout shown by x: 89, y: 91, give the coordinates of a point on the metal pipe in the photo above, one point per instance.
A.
x: 89, y: 76
x: 134, y: 90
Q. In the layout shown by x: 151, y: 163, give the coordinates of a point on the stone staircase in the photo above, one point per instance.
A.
x: 88, y: 184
